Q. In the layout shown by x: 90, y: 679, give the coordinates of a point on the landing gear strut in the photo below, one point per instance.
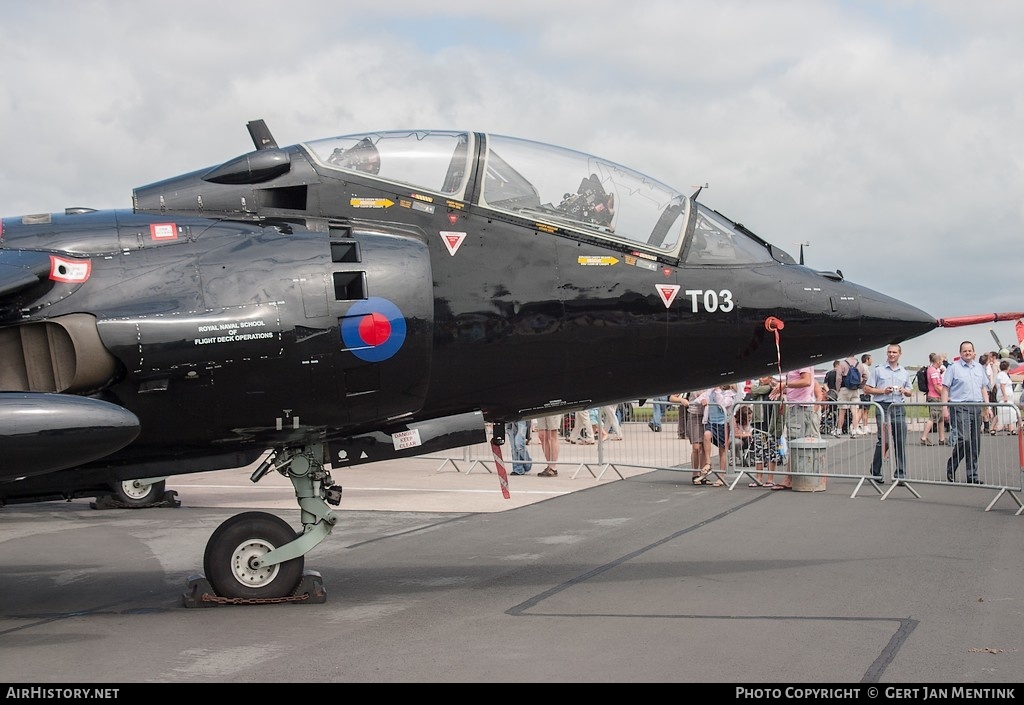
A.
x: 257, y: 556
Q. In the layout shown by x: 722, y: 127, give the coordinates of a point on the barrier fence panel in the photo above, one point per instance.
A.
x: 595, y: 449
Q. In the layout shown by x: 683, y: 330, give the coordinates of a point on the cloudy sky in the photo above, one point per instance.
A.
x: 870, y: 130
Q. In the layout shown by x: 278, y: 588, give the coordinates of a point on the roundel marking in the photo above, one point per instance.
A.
x: 374, y: 329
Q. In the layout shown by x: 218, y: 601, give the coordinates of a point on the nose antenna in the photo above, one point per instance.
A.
x: 802, y: 246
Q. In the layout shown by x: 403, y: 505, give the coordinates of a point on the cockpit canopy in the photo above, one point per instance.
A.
x: 546, y: 184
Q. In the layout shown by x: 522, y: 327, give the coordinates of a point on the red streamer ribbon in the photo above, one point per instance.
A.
x: 499, y: 464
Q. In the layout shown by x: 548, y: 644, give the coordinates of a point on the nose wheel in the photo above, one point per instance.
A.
x: 133, y: 493
x: 233, y: 564
x: 256, y: 557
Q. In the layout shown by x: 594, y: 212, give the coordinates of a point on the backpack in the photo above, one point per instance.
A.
x: 922, y: 380
x: 851, y: 380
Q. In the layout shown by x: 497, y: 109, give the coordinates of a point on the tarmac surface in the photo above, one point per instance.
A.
x: 432, y: 576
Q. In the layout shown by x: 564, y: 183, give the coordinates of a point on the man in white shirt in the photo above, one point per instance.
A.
x: 889, y: 385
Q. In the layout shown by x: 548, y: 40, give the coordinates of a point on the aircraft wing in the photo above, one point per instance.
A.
x: 21, y: 269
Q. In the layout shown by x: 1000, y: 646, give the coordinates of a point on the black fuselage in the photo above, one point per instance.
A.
x: 313, y: 307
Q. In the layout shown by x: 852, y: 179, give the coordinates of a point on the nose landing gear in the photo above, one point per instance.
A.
x: 257, y: 557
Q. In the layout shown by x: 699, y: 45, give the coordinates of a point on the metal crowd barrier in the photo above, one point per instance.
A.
x: 1000, y: 456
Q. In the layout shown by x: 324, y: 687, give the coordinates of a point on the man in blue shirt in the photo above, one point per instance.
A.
x: 889, y: 385
x: 965, y: 386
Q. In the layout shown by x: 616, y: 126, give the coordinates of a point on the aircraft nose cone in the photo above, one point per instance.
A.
x: 890, y: 320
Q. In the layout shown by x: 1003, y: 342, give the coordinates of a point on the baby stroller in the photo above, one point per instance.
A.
x: 829, y: 414
x: 742, y: 449
x: 742, y: 452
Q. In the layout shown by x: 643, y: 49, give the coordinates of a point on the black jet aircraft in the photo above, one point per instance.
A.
x: 373, y: 296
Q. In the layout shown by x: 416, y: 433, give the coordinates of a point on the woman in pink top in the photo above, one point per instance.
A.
x: 801, y: 416
x: 933, y: 396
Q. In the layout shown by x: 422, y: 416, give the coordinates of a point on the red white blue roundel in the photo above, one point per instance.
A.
x: 373, y: 330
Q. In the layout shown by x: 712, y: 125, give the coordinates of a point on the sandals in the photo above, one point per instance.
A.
x: 927, y: 442
x: 702, y: 478
x: 716, y: 483
x: 548, y: 472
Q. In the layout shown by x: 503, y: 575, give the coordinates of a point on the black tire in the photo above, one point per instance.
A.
x: 132, y: 495
x: 245, y: 536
